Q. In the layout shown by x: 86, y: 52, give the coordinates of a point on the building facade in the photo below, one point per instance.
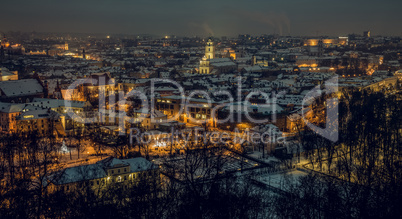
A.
x: 107, y: 172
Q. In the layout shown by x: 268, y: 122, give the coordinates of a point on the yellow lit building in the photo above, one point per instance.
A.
x: 107, y: 172
x: 43, y: 122
x: 150, y: 119
x: 306, y: 61
x: 327, y: 42
x: 204, y: 66
x: 230, y: 53
x: 7, y: 75
x: 197, y: 112
x: 261, y: 61
x: 63, y: 107
x: 8, y: 116
x: 383, y: 84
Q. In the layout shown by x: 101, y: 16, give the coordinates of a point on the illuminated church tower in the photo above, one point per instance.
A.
x: 210, y: 49
x: 209, y: 54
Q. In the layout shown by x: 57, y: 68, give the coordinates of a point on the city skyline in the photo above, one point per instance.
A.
x: 200, y: 109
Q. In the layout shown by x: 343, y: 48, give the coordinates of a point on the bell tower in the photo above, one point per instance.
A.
x: 210, y: 49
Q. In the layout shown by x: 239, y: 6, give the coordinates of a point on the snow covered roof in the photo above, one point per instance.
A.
x: 5, y: 72
x: 222, y: 64
x: 20, y: 87
x: 267, y: 128
x: 38, y: 114
x: 55, y: 103
x: 11, y: 108
x: 99, y: 170
x: 219, y: 60
x: 247, y: 107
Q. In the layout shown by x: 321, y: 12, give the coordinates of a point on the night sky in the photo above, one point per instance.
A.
x: 203, y: 18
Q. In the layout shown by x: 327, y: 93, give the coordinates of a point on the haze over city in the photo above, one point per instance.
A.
x: 204, y: 18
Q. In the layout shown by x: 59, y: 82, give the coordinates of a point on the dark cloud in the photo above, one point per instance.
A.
x: 207, y: 17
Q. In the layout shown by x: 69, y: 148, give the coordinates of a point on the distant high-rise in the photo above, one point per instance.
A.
x: 366, y: 34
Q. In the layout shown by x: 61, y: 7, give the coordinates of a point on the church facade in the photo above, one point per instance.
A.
x: 209, y: 64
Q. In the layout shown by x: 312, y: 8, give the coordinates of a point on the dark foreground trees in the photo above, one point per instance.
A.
x: 320, y: 196
x: 362, y: 170
x: 25, y: 193
x: 207, y: 188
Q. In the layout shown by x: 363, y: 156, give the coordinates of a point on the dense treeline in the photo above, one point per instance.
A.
x: 360, y: 175
x: 27, y: 162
